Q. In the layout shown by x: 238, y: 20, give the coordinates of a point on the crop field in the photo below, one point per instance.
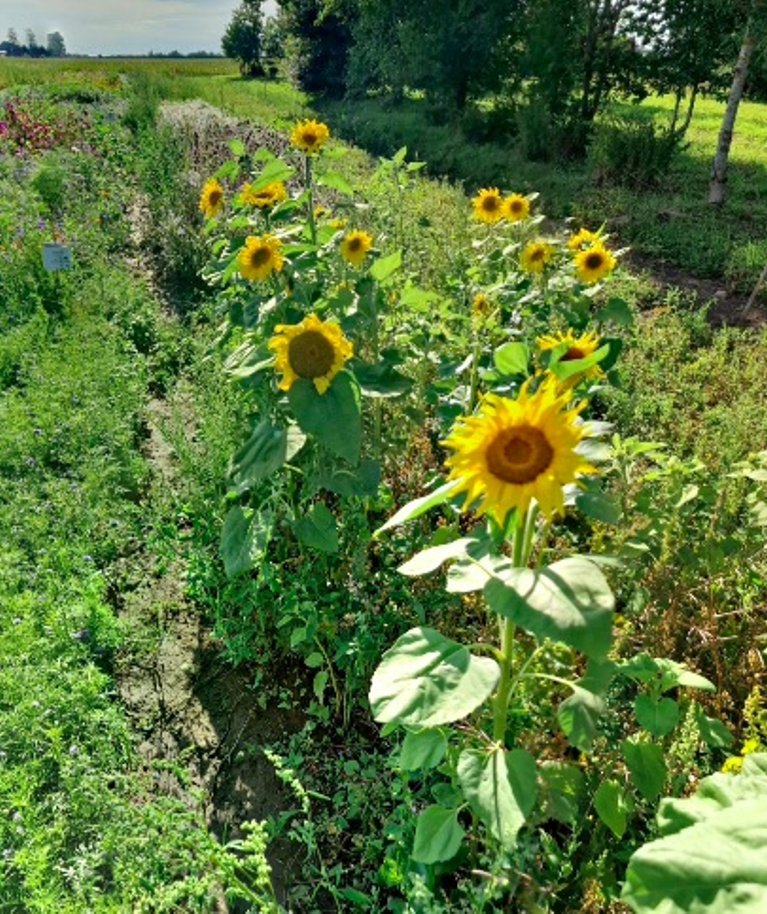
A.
x: 383, y: 515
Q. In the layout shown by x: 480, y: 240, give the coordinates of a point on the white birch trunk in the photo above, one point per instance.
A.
x: 718, y: 185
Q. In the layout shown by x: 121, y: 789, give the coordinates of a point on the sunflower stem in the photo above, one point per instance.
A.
x: 309, y: 184
x: 506, y: 630
x: 474, y: 375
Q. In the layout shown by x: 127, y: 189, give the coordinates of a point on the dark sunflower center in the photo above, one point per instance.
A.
x: 519, y: 455
x: 310, y: 354
x: 490, y: 204
x: 310, y: 138
x: 573, y: 354
x: 260, y: 257
x: 214, y: 197
x: 536, y: 254
x: 594, y: 261
x: 516, y: 206
x: 354, y: 245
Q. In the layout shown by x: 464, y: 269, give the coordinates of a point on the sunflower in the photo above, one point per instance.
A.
x: 594, y: 263
x: 212, y: 198
x: 338, y: 224
x: 574, y: 348
x: 516, y: 208
x: 514, y: 451
x: 480, y: 306
x: 260, y: 257
x: 355, y: 247
x: 267, y: 196
x: 309, y: 136
x: 535, y: 256
x: 488, y: 205
x: 583, y: 237
x: 312, y: 349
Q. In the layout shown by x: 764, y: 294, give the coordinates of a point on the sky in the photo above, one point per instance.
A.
x: 123, y: 26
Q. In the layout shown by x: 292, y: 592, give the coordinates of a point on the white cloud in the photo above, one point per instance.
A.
x: 124, y: 26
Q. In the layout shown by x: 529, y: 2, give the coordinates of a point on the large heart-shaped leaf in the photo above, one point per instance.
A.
x: 425, y: 680
x: 711, y: 858
x: 578, y: 715
x: 333, y: 417
x: 263, y: 454
x: 647, y: 766
x: 569, y: 601
x: 244, y: 538
x: 438, y: 836
x: 501, y: 789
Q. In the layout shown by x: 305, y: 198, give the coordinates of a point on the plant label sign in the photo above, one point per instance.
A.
x: 57, y: 257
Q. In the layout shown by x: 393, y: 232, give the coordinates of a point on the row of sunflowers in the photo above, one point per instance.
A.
x: 337, y: 350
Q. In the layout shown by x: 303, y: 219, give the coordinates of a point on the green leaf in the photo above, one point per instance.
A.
x: 317, y: 529
x: 613, y: 805
x: 563, y: 786
x: 711, y: 858
x: 244, y: 537
x: 425, y: 680
x: 333, y: 417
x: 578, y: 716
x: 616, y: 311
x: 430, y: 559
x: 418, y: 506
x: 383, y: 267
x: 569, y: 601
x: 422, y: 749
x: 647, y: 766
x: 337, y: 181
x: 712, y: 731
x: 512, y: 358
x: 598, y: 506
x: 263, y: 453
x: 381, y: 380
x: 657, y: 717
x: 438, y: 836
x: 361, y: 481
x: 237, y: 147
x: 565, y: 370
x: 501, y: 788
x: 276, y: 170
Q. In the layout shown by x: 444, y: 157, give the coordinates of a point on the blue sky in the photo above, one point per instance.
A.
x: 123, y: 26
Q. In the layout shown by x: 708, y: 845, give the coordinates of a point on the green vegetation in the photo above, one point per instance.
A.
x: 156, y: 475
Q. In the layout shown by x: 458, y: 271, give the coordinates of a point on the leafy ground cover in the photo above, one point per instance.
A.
x: 130, y: 452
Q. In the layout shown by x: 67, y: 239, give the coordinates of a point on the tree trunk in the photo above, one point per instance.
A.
x: 718, y: 186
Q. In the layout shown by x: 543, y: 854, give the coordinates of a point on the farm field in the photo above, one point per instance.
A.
x: 287, y: 624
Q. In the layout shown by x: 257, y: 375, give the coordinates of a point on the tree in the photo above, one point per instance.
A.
x: 754, y: 26
x: 56, y: 47
x: 318, y: 41
x: 13, y: 37
x: 242, y: 39
x: 447, y: 48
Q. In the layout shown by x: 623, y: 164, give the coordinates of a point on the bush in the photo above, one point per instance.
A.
x: 636, y: 154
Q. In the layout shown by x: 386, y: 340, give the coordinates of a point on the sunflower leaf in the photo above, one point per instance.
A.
x: 425, y: 680
x: 569, y: 601
x: 333, y: 417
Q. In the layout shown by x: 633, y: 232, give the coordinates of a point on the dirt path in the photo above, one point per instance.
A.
x: 200, y: 725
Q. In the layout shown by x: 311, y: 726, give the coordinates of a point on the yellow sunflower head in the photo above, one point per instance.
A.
x: 516, y: 208
x: 488, y: 205
x: 338, y: 224
x: 355, y: 247
x: 309, y: 136
x: 514, y: 451
x: 575, y: 348
x: 481, y: 307
x: 581, y: 238
x: 313, y: 349
x: 594, y: 263
x: 264, y: 197
x: 260, y: 257
x: 211, y: 198
x: 535, y: 256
